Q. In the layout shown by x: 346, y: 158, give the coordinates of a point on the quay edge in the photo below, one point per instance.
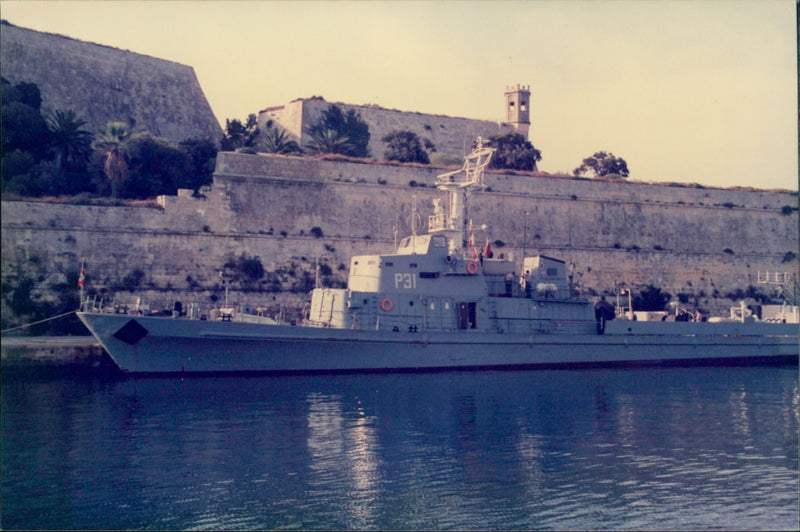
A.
x: 55, y: 355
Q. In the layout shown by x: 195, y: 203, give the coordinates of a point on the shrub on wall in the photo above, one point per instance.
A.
x: 652, y: 299
x: 131, y: 281
x: 244, y: 269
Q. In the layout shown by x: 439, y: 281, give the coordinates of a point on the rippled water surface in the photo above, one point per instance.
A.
x: 678, y: 448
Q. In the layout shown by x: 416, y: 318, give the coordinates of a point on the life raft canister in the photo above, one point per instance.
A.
x: 472, y: 268
x: 386, y: 305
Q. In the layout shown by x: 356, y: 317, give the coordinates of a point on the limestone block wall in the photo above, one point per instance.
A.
x: 103, y: 84
x: 450, y: 135
x: 701, y: 243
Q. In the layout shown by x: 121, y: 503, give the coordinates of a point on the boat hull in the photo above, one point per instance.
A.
x: 155, y: 345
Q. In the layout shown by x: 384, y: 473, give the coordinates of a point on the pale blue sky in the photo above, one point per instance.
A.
x: 695, y: 91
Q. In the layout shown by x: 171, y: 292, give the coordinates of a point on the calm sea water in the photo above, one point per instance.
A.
x: 678, y: 448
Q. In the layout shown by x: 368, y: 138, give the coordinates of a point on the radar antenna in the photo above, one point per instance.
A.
x: 459, y: 184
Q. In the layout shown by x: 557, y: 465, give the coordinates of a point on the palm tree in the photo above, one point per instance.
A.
x: 276, y: 140
x: 72, y: 144
x: 113, y: 143
x: 329, y: 141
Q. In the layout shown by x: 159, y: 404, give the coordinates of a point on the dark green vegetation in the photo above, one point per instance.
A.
x: 34, y: 294
x: 407, y: 147
x: 651, y: 298
x: 604, y: 164
x: 238, y: 135
x: 54, y: 155
x: 341, y: 133
x: 513, y: 151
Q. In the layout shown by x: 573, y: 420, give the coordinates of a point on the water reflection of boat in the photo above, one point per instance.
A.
x: 439, y: 302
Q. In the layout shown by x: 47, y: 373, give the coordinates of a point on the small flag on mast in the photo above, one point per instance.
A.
x: 81, y: 277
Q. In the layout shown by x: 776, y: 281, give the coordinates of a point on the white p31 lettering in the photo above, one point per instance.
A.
x: 405, y: 280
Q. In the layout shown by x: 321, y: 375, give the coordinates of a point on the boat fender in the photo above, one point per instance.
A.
x: 386, y: 305
x: 472, y: 268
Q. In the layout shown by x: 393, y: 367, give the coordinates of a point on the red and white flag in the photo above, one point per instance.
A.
x: 81, y: 278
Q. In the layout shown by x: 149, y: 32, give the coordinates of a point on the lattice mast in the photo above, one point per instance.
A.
x: 451, y: 220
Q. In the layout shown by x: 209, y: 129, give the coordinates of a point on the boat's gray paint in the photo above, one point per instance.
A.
x: 188, y: 346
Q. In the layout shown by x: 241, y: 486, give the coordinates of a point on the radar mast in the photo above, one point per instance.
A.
x: 459, y: 184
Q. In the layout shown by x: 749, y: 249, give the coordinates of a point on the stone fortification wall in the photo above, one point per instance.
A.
x: 701, y: 243
x: 103, y: 84
x: 450, y: 135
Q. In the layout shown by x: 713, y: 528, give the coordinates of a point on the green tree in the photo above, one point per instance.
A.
x: 275, y: 140
x: 155, y: 166
x: 406, y: 147
x: 25, y: 140
x: 329, y: 141
x: 338, y: 132
x: 112, y: 143
x: 24, y: 128
x: 238, y: 135
x: 513, y: 151
x: 71, y: 142
x: 603, y: 164
x: 29, y: 94
x: 16, y: 163
x: 202, y: 154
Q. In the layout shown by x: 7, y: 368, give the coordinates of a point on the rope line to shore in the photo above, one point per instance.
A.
x: 38, y: 322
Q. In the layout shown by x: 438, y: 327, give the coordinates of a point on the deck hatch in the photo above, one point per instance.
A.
x: 131, y: 332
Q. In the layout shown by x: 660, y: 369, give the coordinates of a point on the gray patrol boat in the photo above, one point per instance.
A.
x: 439, y: 303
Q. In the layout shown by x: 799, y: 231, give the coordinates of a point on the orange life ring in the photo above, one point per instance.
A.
x: 472, y: 268
x: 386, y: 305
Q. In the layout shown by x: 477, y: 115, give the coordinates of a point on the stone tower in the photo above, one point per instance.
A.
x: 518, y: 112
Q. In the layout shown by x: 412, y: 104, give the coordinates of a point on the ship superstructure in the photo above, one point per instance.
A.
x: 441, y: 281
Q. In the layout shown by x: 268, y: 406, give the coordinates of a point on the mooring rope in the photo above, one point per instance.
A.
x: 38, y: 322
